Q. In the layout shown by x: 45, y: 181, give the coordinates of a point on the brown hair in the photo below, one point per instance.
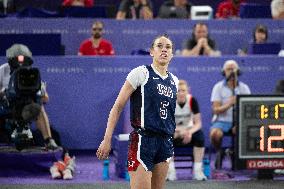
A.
x: 159, y: 36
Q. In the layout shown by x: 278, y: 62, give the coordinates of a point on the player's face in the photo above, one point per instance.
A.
x: 162, y: 51
x: 182, y: 92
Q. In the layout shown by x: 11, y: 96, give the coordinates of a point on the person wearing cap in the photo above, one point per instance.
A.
x: 223, y: 98
x: 22, y: 55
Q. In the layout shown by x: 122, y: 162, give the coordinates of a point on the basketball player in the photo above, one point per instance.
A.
x: 152, y: 91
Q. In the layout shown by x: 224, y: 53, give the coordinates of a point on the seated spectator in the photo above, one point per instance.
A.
x: 96, y: 45
x: 188, y: 130
x: 229, y: 9
x: 200, y: 43
x: 175, y: 9
x: 277, y: 9
x: 223, y: 98
x: 260, y: 35
x: 79, y: 3
x: 135, y: 9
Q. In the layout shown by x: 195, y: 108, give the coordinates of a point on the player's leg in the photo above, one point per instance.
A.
x: 162, y: 159
x: 140, y: 179
x: 159, y: 175
x: 141, y: 152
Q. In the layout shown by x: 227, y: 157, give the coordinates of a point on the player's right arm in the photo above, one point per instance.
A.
x: 134, y: 79
x: 114, y: 114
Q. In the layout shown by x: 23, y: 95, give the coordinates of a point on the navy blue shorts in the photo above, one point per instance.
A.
x: 148, y: 149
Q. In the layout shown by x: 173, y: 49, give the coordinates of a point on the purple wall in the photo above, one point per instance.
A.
x: 128, y: 35
x: 82, y: 90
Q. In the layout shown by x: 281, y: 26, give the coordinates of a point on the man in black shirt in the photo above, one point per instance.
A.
x: 135, y: 9
x: 200, y: 43
x: 175, y: 9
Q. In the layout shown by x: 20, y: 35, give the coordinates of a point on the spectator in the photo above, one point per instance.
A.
x: 200, y: 43
x: 96, y: 45
x: 188, y: 130
x: 223, y: 99
x: 277, y: 9
x: 260, y: 35
x: 229, y: 9
x: 79, y: 3
x: 175, y: 9
x: 135, y: 9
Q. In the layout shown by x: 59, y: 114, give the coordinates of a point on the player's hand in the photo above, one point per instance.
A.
x: 187, y: 135
x: 103, y: 150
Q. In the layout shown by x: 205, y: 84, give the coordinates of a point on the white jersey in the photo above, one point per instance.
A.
x: 184, y: 115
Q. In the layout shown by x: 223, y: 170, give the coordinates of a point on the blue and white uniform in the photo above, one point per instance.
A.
x: 152, y: 109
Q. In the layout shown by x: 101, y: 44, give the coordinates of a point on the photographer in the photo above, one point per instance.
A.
x: 19, y: 56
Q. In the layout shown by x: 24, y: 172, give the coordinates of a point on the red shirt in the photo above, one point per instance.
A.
x: 104, y: 48
x: 87, y: 3
x: 226, y: 9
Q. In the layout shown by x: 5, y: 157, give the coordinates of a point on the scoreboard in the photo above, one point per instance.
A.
x: 260, y: 132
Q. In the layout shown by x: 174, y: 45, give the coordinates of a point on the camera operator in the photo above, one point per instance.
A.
x: 19, y: 55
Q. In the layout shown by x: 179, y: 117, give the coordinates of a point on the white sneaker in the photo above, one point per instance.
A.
x: 67, y: 174
x: 199, y: 175
x: 171, y: 176
x: 28, y: 133
x: 55, y: 174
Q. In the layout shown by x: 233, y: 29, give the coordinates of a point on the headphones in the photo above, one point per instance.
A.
x: 238, y: 72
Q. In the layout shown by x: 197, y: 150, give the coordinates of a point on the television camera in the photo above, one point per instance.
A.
x: 23, y: 95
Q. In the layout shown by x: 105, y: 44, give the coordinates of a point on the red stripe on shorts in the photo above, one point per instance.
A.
x: 132, y: 162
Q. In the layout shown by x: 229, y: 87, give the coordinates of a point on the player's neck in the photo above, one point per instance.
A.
x: 161, y: 69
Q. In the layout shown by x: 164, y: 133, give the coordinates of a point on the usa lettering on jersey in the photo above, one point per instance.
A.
x: 164, y: 90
